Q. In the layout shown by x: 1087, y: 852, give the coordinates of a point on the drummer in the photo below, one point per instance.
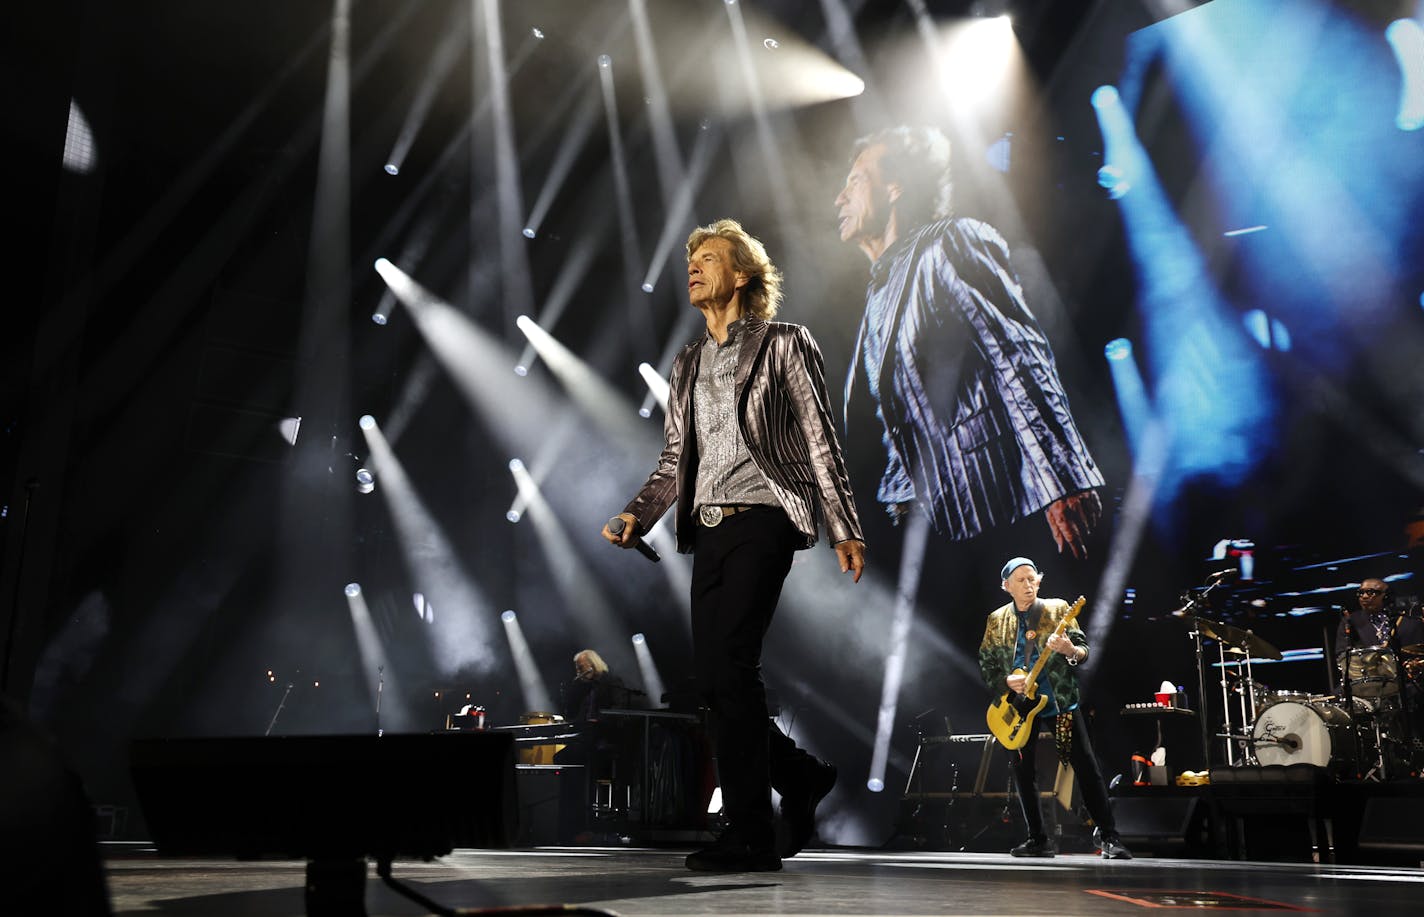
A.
x: 1372, y: 627
x: 1369, y: 624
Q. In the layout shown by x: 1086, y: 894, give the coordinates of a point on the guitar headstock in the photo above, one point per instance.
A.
x: 1077, y: 607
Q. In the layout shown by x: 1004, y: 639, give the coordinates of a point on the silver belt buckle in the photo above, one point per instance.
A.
x: 710, y: 516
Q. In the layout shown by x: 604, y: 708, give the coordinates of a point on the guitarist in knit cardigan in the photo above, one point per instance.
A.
x: 1013, y: 639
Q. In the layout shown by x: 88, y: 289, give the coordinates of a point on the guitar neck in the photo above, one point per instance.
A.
x: 1031, y: 681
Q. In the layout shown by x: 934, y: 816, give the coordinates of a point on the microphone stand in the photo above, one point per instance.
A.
x: 380, y: 685
x: 1191, y: 603
x: 1196, y: 636
x: 278, y: 712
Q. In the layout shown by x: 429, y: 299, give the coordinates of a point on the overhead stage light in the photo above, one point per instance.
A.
x: 508, y: 616
x: 392, y: 169
x: 365, y: 480
x: 378, y: 318
x: 528, y: 232
x: 352, y: 590
x: 367, y: 422
x: 1118, y: 349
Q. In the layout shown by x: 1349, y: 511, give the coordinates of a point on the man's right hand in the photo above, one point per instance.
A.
x: 1016, y: 682
x: 628, y: 537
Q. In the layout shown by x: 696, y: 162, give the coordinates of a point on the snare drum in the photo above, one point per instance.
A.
x: 1373, y: 671
x: 1295, y: 733
x: 1284, y: 697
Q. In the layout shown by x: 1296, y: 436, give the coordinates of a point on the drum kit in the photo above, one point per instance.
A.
x: 1358, y: 731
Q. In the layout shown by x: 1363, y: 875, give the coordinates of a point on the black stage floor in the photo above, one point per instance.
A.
x: 838, y: 881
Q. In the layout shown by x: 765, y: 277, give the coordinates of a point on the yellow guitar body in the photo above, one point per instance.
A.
x: 1010, y: 718
x: 1008, y: 724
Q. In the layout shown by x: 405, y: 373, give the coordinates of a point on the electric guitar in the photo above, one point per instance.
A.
x: 1011, y: 716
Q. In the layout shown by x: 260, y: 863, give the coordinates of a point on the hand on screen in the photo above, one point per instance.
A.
x: 1072, y: 519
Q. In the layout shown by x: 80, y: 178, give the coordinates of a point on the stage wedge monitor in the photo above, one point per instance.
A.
x: 321, y: 797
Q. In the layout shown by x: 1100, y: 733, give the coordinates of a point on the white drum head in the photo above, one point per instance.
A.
x: 1293, y: 733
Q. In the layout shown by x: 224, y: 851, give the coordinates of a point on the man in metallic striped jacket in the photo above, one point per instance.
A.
x: 976, y: 425
x: 752, y: 461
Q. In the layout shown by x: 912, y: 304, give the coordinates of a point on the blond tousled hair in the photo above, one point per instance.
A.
x: 762, y: 294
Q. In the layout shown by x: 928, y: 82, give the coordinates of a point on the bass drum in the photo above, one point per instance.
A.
x: 1296, y: 733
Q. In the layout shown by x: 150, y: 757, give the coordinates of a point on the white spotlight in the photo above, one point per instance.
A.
x: 378, y: 318
x: 365, y: 480
x: 521, y: 370
x: 647, y: 288
x: 645, y: 413
x: 392, y: 169
x: 604, y: 62
x: 537, y: 32
x: 516, y: 465
x: 353, y: 590
x: 513, y: 515
x: 528, y: 232
x: 656, y: 384
x: 638, y: 639
x: 367, y: 422
x: 508, y: 616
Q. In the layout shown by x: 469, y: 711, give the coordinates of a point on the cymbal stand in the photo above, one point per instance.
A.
x: 1248, y: 711
x: 1228, y: 729
x: 1347, y: 693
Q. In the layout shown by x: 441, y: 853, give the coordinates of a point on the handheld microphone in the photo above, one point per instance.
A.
x: 616, y: 526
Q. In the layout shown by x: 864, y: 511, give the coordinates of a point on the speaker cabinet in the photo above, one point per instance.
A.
x: 1162, y: 825
x: 327, y: 796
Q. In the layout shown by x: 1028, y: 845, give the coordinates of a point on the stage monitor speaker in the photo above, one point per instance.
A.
x: 1169, y: 825
x: 323, y: 797
x: 1393, y: 825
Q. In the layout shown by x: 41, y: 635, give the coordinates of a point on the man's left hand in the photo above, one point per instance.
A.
x: 1072, y: 519
x: 852, y: 557
x: 1061, y: 644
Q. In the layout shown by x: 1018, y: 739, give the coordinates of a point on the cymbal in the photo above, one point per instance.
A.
x: 1232, y: 635
x: 1413, y: 649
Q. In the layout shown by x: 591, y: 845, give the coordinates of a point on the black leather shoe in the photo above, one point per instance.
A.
x: 722, y: 857
x: 1036, y: 846
x: 798, y: 808
x: 1113, y: 848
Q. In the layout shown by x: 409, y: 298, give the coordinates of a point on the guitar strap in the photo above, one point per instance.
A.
x: 1032, y: 617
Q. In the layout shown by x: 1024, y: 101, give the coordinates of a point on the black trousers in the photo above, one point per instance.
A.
x: 738, y: 568
x: 1089, y: 775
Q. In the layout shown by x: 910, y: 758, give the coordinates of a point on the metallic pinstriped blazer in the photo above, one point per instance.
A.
x: 976, y: 420
x: 784, y: 413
